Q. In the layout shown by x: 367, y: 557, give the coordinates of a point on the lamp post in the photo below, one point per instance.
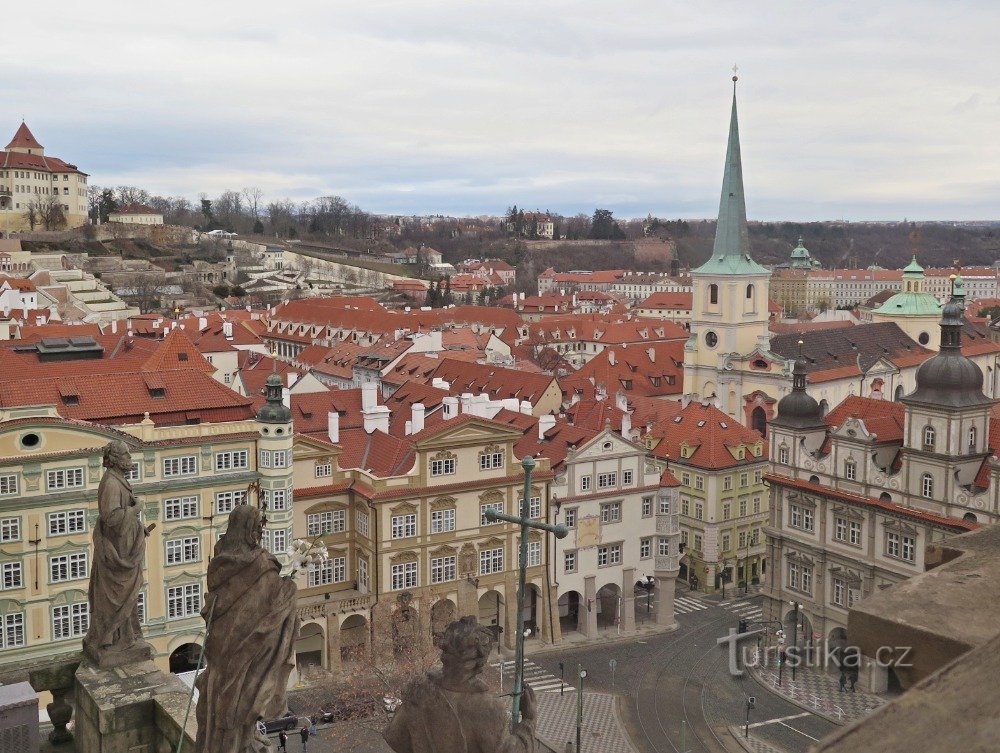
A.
x: 780, y: 634
x: 581, y: 673
x: 795, y: 636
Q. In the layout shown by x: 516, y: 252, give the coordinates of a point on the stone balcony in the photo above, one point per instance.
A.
x: 350, y: 601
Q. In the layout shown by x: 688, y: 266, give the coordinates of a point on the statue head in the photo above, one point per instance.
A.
x: 465, y: 646
x: 245, y: 531
x: 117, y: 456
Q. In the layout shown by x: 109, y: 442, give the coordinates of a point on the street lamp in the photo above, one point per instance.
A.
x: 581, y: 673
x: 795, y: 636
x: 780, y: 635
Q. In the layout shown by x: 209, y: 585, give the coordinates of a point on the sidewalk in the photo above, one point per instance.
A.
x: 752, y: 744
x: 601, y: 732
x: 819, y: 692
x: 574, y: 640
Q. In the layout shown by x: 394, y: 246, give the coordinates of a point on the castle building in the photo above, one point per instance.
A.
x: 32, y: 183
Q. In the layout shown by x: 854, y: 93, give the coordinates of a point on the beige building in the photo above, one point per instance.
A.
x: 136, y: 214
x: 32, y: 183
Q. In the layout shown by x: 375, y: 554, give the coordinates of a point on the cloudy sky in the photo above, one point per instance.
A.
x: 853, y: 110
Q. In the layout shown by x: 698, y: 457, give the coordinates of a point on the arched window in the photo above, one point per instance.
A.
x: 970, y: 517
x: 973, y: 438
x: 814, y: 479
x: 927, y: 485
x: 885, y: 497
x: 899, y: 392
x: 713, y: 293
x: 750, y: 292
x: 929, y: 437
x: 824, y: 407
x: 758, y: 420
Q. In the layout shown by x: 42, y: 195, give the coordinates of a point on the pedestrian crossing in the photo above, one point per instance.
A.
x: 540, y: 680
x: 748, y: 609
x: 688, y: 604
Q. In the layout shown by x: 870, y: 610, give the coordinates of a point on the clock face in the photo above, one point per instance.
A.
x: 711, y: 339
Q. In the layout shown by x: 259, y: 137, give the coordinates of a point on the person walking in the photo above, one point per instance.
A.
x: 843, y: 680
x: 283, y: 741
x: 304, y: 734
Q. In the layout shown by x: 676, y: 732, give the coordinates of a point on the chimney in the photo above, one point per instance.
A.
x: 369, y: 396
x: 575, y: 399
x: 376, y: 419
x: 651, y: 352
x: 333, y: 426
x: 202, y: 323
x: 466, y: 402
x: 450, y: 407
x: 611, y: 357
x: 293, y: 377
x: 114, y: 326
x: 525, y: 408
x: 439, y: 383
x: 286, y: 397
x: 627, y: 425
x: 417, y: 417
x: 545, y: 423
x: 621, y: 401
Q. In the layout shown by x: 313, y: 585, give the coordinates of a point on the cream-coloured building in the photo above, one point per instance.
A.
x: 136, y: 214
x: 30, y: 181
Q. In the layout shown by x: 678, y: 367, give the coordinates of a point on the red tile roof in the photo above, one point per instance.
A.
x: 885, y: 418
x: 559, y: 441
x: 673, y: 301
x: 889, y: 507
x: 135, y: 208
x: 711, y: 433
x: 653, y: 370
x: 495, y: 381
x: 24, y: 139
x: 176, y: 351
x: 18, y: 283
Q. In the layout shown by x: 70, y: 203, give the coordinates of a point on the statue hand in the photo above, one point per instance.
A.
x: 529, y: 706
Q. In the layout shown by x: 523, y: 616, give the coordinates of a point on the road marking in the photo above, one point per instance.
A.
x: 814, y: 739
x: 780, y: 720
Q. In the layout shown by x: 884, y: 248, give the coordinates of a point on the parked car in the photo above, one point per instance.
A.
x: 286, y: 722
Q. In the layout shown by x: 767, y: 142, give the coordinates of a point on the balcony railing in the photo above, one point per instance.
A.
x: 317, y: 607
x: 667, y: 524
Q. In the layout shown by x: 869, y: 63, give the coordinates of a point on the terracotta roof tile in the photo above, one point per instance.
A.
x: 885, y: 418
x: 711, y: 434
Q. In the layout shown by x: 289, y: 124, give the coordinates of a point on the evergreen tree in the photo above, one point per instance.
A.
x: 446, y: 298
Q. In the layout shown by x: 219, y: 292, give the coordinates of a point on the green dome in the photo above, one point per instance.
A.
x: 801, y: 257
x: 913, y: 268
x: 274, y: 410
x: 910, y: 304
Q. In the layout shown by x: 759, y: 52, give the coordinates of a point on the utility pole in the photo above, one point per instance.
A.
x: 581, y: 673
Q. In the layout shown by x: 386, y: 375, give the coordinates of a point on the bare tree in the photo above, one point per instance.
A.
x: 131, y: 195
x: 253, y: 196
x: 143, y: 289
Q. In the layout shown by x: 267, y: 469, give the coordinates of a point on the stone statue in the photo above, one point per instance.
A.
x: 114, y: 636
x: 454, y: 710
x: 252, y: 625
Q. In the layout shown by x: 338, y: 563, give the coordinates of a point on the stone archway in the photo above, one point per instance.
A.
x: 493, y: 612
x: 443, y: 613
x: 309, y: 648
x: 758, y: 421
x: 569, y: 612
x: 608, y: 605
x: 354, y: 638
x: 184, y: 658
x: 405, y: 629
x: 532, y: 610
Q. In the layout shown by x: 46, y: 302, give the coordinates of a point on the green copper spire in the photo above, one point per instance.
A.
x: 731, y: 252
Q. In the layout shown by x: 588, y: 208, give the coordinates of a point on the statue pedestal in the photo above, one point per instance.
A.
x: 138, y: 652
x: 120, y: 710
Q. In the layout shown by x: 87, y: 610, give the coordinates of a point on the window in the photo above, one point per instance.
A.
x: 234, y: 460
x: 852, y: 597
x: 800, y: 517
x: 743, y: 507
x: 713, y: 293
x: 13, y: 576
x: 186, y: 549
x: 727, y: 510
x: 69, y: 521
x: 611, y: 512
x: 186, y: 465
x: 64, y: 478
x: 793, y: 576
x: 663, y: 547
x: 628, y: 477
x: 727, y: 483
x: 609, y: 555
x: 490, y: 561
x: 183, y: 601
x: 8, y: 484
x: 10, y: 529
x: 324, y: 470
x: 749, y: 292
x: 927, y: 485
x: 280, y: 459
x: 929, y: 436
x: 697, y: 542
x: 226, y: 501
x: 757, y: 477
x: 699, y: 511
x: 443, y: 521
x: 807, y: 575
x: 264, y: 459
x: 569, y: 562
x: 783, y: 455
x: 362, y: 522
x: 686, y: 479
x: 742, y: 539
x: 140, y: 605
x: 330, y: 521
x: 490, y: 460
x: 67, y: 567
x: 443, y: 467
x: 333, y: 570
x: 570, y: 517
x: 685, y: 507
x: 664, y: 508
x: 645, y: 548
x: 534, y: 506
x: 443, y: 569
x: 647, y: 507
x: 534, y: 553
x: 180, y: 508
x: 70, y: 621
x: 699, y: 482
x: 404, y: 526
x: 850, y: 470
x: 277, y: 499
x: 607, y: 480
x: 744, y: 479
x: 973, y: 438
x: 279, y: 541
x: 496, y: 507
x: 585, y: 483
x: 756, y: 505
x: 12, y: 626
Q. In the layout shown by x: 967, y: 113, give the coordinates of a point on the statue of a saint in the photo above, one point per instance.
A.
x: 252, y: 623
x: 114, y: 636
x: 454, y: 710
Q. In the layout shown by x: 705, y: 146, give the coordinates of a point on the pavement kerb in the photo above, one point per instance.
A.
x: 548, y: 648
x: 794, y: 701
x: 737, y: 733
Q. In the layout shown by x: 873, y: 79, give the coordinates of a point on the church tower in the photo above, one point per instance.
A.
x: 274, y: 463
x: 729, y: 310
